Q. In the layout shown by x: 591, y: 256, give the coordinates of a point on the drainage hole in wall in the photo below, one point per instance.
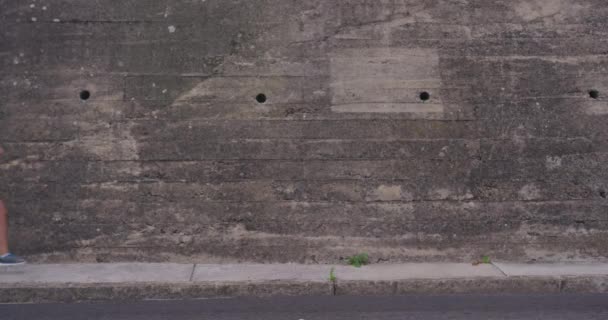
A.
x: 260, y: 98
x: 594, y: 94
x: 85, y: 95
x: 424, y: 96
x: 603, y: 194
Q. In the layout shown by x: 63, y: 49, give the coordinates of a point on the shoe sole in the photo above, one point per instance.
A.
x: 11, y: 264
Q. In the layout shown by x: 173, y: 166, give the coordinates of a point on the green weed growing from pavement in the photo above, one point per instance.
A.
x: 358, y: 260
x: 332, y: 275
x: 483, y: 260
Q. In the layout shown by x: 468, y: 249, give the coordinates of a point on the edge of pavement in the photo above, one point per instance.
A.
x: 36, y: 283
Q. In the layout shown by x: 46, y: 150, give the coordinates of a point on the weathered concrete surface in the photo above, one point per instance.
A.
x: 96, y: 273
x: 173, y: 159
x: 295, y: 272
x: 135, y: 281
x: 172, y: 272
x: 552, y: 269
x: 28, y: 293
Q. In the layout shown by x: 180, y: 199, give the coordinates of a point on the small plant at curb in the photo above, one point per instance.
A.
x: 332, y: 275
x: 483, y: 260
x: 358, y: 260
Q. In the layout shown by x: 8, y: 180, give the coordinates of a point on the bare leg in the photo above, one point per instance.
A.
x: 3, y: 229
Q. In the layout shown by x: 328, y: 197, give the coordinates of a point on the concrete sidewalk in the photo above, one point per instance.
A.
x: 134, y: 281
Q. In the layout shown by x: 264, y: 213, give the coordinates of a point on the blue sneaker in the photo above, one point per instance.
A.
x: 11, y: 260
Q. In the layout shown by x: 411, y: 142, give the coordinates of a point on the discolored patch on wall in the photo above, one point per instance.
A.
x: 385, y: 80
x: 549, y: 11
x: 390, y: 193
x: 530, y: 192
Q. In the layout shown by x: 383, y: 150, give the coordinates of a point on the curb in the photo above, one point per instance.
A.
x: 33, y: 293
x: 510, y: 285
x: 47, y: 293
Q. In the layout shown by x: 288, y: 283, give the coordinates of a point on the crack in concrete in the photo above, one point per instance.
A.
x: 192, y: 273
x: 497, y: 268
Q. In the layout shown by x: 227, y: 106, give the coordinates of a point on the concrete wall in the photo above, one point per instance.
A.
x: 172, y: 157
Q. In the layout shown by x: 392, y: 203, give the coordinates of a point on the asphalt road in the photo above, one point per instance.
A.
x: 469, y: 307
